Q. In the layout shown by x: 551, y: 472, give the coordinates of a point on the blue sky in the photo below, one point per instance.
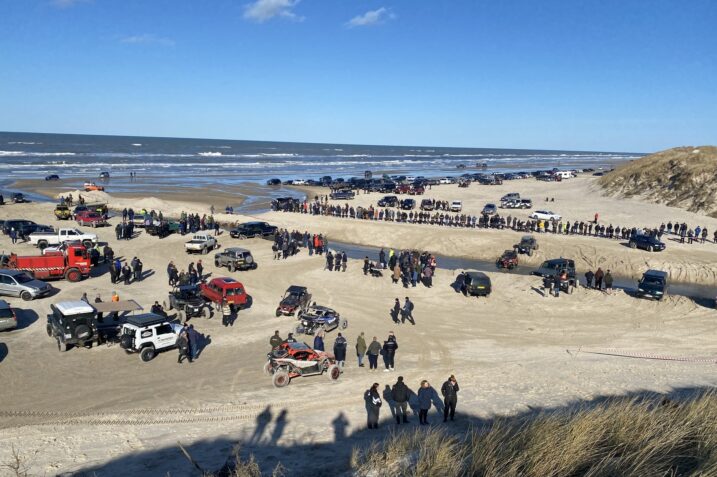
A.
x: 576, y: 74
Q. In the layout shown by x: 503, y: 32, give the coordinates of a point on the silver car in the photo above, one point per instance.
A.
x: 19, y: 283
x: 8, y: 321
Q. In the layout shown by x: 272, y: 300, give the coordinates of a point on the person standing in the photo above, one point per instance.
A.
x: 400, y: 394
x: 589, y: 275
x: 598, y: 278
x: 608, y: 282
x: 200, y: 269
x: 183, y: 347
x: 389, y: 352
x: 373, y: 405
x: 13, y: 235
x: 365, y: 265
x: 374, y: 349
x: 276, y: 340
x: 340, y: 350
x: 450, y: 397
x: 360, y: 349
x: 193, y: 336
x: 319, y: 341
x: 137, y: 270
x: 226, y: 312
x: 425, y: 398
x: 396, y: 311
x: 126, y: 274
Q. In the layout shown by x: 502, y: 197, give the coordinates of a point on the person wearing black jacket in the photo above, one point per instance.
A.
x: 389, y: 352
x: 450, y: 397
x: 373, y: 405
x: 400, y: 394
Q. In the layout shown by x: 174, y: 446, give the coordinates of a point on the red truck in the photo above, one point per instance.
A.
x: 220, y: 289
x: 72, y: 264
x: 91, y: 218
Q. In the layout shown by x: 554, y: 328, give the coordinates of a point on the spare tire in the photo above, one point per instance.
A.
x: 83, y: 332
x: 249, y: 259
x: 126, y: 342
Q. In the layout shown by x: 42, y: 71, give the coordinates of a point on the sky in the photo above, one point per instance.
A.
x: 606, y: 75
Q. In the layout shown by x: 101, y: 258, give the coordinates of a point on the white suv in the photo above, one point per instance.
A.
x: 148, y: 334
x: 456, y: 206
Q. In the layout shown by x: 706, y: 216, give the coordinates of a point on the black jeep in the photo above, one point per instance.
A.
x: 188, y: 302
x: 388, y: 201
x: 551, y: 268
x: 527, y: 245
x: 252, y: 229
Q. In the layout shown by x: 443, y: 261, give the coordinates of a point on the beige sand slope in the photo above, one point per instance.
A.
x: 102, y: 410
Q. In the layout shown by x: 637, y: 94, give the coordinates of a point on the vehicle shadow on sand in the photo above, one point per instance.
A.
x: 25, y: 318
x: 3, y: 351
x: 309, y: 451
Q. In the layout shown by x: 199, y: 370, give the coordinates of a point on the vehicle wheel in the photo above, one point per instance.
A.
x: 232, y: 267
x: 147, y: 354
x: 344, y: 323
x: 278, y: 313
x: 180, y: 315
x: 281, y: 379
x: 254, y: 265
x: 73, y: 275
x: 87, y: 244
x: 649, y: 248
x: 633, y: 245
x: 164, y: 305
x: 82, y: 332
x: 217, y: 264
x: 204, y: 251
x: 26, y: 295
x: 242, y: 237
x: 530, y: 252
x: 334, y: 372
x: 62, y: 346
x: 48, y: 328
x: 42, y: 244
x: 268, y: 368
x: 206, y: 312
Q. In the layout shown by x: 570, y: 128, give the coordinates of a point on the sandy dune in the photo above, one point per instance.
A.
x: 102, y: 410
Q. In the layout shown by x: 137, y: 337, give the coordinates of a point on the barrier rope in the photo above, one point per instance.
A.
x: 629, y: 354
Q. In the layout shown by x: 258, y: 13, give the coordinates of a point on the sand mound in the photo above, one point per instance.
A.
x: 679, y: 177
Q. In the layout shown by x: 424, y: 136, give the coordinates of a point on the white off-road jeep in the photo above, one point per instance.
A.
x: 148, y: 334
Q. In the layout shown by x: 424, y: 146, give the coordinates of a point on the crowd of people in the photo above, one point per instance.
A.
x: 287, y: 244
x: 192, y: 276
x: 321, y: 206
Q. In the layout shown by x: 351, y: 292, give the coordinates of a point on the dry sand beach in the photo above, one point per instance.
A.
x: 101, y: 411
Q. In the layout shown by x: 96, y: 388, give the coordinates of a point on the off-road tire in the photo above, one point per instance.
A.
x: 344, y: 323
x: 73, y: 275
x: 204, y: 250
x: 232, y: 267
x: 242, y: 237
x: 62, y: 346
x: 42, y: 244
x: 48, y: 328
x: 280, y: 379
x: 650, y: 248
x: 147, y: 354
x: 278, y: 312
x: 333, y: 372
x: 83, y: 331
x: 632, y: 245
x: 26, y: 295
x: 268, y: 368
x: 206, y: 312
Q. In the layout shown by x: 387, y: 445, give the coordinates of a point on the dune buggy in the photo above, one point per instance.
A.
x: 295, y: 299
x: 320, y: 318
x: 292, y: 360
x: 509, y: 260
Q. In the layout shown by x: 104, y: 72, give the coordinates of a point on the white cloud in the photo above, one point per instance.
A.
x: 263, y: 10
x: 67, y: 3
x: 372, y: 17
x: 147, y: 39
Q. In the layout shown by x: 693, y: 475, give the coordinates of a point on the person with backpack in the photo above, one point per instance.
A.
x: 340, y: 350
x: 450, y: 397
x: 400, y: 394
x: 373, y: 405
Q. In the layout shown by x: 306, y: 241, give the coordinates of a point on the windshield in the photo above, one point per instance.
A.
x: 650, y: 280
x: 23, y: 278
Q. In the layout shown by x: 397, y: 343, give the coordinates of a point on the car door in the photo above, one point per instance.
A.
x: 5, y: 285
x: 165, y: 336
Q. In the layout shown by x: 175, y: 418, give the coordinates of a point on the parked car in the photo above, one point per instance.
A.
x: 293, y: 360
x: 323, y: 318
x: 19, y: 283
x: 44, y: 239
x: 201, y: 242
x: 447, y: 180
x: 235, y: 258
x: 89, y: 218
x: 342, y: 195
x: 388, y: 201
x: 510, y: 196
x: 188, y: 301
x: 148, y: 335
x: 52, y: 177
x: 408, y: 204
x: 18, y: 198
x: 71, y: 323
x: 253, y: 229
x: 647, y: 242
x: 527, y: 245
x: 653, y: 284
x: 456, y: 206
x: 273, y: 182
x: 545, y: 215
x: 8, y: 320
x: 10, y: 224
x: 295, y: 299
x: 474, y: 283
x: 104, y: 175
x: 490, y: 209
x: 427, y: 205
x: 226, y: 289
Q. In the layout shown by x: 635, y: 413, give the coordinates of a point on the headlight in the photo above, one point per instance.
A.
x: 658, y: 293
x: 640, y: 289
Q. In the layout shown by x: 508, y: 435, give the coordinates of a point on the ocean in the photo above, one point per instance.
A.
x: 196, y: 161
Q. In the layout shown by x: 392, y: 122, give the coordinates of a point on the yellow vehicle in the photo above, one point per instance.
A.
x: 63, y: 212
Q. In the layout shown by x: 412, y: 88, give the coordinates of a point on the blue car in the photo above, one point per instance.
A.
x: 317, y: 318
